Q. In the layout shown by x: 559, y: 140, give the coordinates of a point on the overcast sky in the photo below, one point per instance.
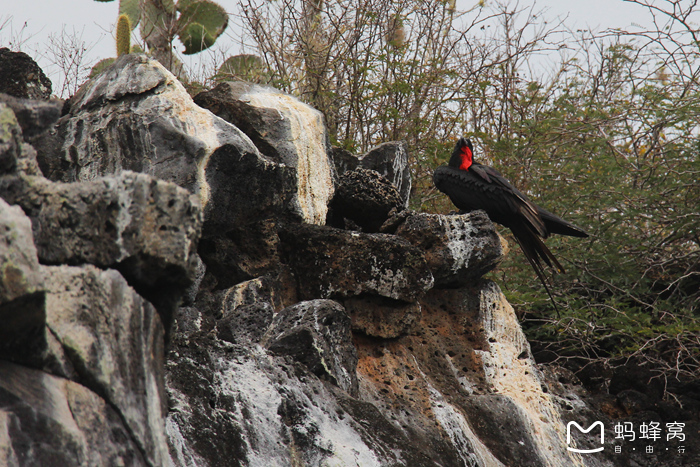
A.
x: 35, y: 23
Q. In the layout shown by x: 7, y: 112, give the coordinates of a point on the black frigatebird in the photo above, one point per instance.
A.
x: 473, y: 186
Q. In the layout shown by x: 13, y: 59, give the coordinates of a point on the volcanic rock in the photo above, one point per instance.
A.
x: 333, y: 263
x: 366, y: 198
x: 287, y: 131
x: 458, y: 248
x: 20, y: 76
x: 387, y: 159
x: 22, y: 292
x: 317, y: 334
x: 34, y: 116
x: 146, y: 228
x: 53, y: 421
x: 136, y: 116
x: 15, y: 155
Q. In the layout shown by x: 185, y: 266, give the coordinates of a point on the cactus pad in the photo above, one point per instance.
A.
x: 199, y: 25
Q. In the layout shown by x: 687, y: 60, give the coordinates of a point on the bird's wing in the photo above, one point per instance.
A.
x: 482, y: 187
x: 552, y: 222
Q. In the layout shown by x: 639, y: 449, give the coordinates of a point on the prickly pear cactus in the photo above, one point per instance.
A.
x: 197, y: 23
x: 101, y: 66
x: 200, y: 24
x: 132, y: 9
x: 157, y: 20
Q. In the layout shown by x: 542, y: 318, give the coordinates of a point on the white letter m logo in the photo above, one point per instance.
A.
x: 582, y: 430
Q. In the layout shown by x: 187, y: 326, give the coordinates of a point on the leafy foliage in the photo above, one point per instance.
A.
x: 614, y: 148
x: 626, y: 167
x: 130, y: 8
x: 101, y: 66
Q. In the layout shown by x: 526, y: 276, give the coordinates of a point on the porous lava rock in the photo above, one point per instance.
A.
x: 366, y: 198
x: 20, y: 76
x: 317, y: 334
x: 34, y: 116
x: 16, y: 156
x: 382, y: 317
x: 332, y: 263
x: 146, y: 228
x: 389, y: 159
x: 54, y: 421
x: 137, y: 116
x: 114, y: 341
x: 22, y: 292
x: 459, y: 249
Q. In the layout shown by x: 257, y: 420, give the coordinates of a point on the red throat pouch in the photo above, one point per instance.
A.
x: 466, y: 158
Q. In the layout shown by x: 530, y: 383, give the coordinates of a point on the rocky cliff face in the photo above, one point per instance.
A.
x: 170, y: 295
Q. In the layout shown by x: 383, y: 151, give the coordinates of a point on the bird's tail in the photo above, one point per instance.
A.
x: 535, y: 250
x: 536, y: 253
x: 557, y: 225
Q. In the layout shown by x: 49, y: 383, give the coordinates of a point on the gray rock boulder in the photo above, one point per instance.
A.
x: 20, y: 76
x: 34, y: 116
x: 104, y: 346
x: 239, y: 405
x: 136, y: 116
x: 21, y: 283
x: 458, y: 248
x: 146, y: 228
x: 247, y: 324
x: 391, y: 160
x: 422, y: 396
x: 388, y: 159
x: 271, y: 289
x: 24, y: 337
x: 317, y: 334
x: 334, y: 263
x: 242, y: 253
x: 467, y: 359
x: 48, y: 420
x: 366, y: 198
x: 15, y: 155
x: 108, y: 221
x: 502, y: 425
x: 244, y: 188
x: 383, y: 317
x: 287, y: 131
x: 10, y: 140
x: 114, y: 340
x: 343, y: 160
